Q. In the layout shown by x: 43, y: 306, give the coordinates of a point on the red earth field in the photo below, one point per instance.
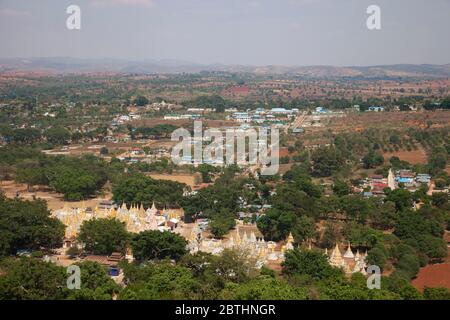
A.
x: 414, y: 157
x: 433, y: 276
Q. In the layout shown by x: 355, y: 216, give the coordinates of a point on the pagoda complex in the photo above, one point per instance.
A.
x: 136, y: 218
x: 349, y: 262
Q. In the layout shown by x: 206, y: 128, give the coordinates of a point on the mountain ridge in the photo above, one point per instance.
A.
x: 64, y: 65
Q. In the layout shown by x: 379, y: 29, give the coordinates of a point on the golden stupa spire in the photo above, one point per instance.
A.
x: 290, y: 238
x: 336, y: 257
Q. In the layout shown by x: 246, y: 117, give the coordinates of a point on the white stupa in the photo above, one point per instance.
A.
x: 349, y: 253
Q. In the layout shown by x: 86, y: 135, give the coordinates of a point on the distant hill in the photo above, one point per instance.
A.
x: 73, y: 65
x: 390, y: 71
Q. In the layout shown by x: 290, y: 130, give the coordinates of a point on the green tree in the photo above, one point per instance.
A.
x: 341, y: 188
x: 394, y: 139
x: 309, y: 262
x: 356, y: 207
x: 206, y: 170
x: 32, y: 279
x: 433, y: 247
x: 221, y: 223
x: 96, y: 284
x: 263, y: 289
x: 372, y: 160
x: 104, y: 151
x: 232, y: 266
x: 139, y: 189
x: 276, y: 224
x: 331, y: 235
x: 31, y: 173
x: 57, y: 135
x: 440, y: 199
x: 304, y: 228
x: 74, y: 183
x: 401, y: 198
x: 436, y: 294
x: 141, y: 101
x: 400, y: 284
x: 414, y: 224
x: 149, y: 245
x: 27, y: 225
x: 437, y: 160
x: 326, y: 161
x: 103, y: 236
x: 376, y: 257
x: 22, y: 136
x: 213, y: 101
x: 162, y: 281
x: 362, y: 235
x: 408, y: 265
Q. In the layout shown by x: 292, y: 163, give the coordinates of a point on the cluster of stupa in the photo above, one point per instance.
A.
x: 349, y: 262
x: 259, y: 250
x: 136, y: 218
x: 264, y: 252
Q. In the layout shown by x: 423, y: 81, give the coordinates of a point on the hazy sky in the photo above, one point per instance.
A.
x: 256, y: 32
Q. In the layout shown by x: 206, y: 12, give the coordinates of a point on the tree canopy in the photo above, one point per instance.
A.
x: 139, y: 189
x: 103, y: 236
x: 149, y: 245
x: 27, y: 225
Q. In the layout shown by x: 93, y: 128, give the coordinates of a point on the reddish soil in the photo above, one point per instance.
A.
x: 433, y: 276
x: 414, y: 157
x: 283, y: 152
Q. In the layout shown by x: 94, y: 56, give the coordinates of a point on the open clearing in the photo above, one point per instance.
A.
x: 418, y: 156
x: 433, y: 276
x: 188, y: 179
x: 54, y: 200
x: 358, y: 122
x: 182, y: 123
x: 94, y: 148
